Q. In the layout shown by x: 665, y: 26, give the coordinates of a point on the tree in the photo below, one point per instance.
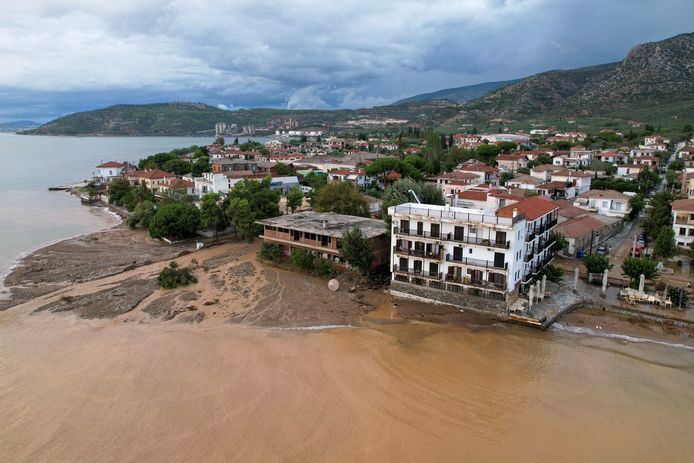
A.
x: 356, y: 249
x: 236, y: 141
x: 252, y: 200
x: 595, y: 263
x: 284, y: 169
x: 487, y: 152
x: 219, y: 141
x: 505, y: 177
x: 177, y: 194
x: 91, y: 190
x: 295, y: 199
x: 212, y: 216
x: 384, y: 166
x: 660, y: 213
x: 506, y: 146
x: 664, y: 244
x: 559, y: 242
x: 399, y: 193
x: 341, y: 198
x: 553, y: 274
x: 142, y: 214
x: 200, y: 166
x: 117, y: 190
x: 634, y: 267
x: 678, y: 296
x: 172, y: 276
x: 175, y: 221
x: 637, y: 203
x: 177, y: 166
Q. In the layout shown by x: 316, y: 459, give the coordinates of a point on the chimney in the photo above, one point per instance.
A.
x: 325, y: 223
x: 515, y: 211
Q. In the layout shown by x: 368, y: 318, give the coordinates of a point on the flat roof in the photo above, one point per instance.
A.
x: 335, y: 224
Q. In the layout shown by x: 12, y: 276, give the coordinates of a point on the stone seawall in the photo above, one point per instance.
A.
x: 494, y: 308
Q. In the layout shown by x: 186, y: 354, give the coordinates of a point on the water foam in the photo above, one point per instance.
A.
x: 624, y: 337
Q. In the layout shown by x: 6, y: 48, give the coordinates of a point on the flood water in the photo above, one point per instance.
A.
x: 75, y: 390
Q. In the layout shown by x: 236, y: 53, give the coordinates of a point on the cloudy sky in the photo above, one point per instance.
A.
x: 62, y: 56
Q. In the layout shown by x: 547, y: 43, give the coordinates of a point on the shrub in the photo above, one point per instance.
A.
x: 324, y: 268
x: 595, y: 263
x: 174, y: 221
x: 678, y: 296
x: 173, y: 276
x: 270, y: 252
x: 302, y: 259
x: 554, y: 274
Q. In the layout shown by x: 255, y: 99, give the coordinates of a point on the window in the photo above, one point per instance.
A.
x: 683, y: 231
x: 472, y: 231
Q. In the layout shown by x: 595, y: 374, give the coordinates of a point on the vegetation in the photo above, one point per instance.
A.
x: 659, y: 215
x: 117, y: 190
x: 553, y: 273
x: 341, y: 198
x: 270, y: 252
x: 142, y: 214
x: 637, y: 203
x: 175, y: 221
x: 678, y: 296
x: 212, y: 216
x: 664, y: 244
x: 295, y: 199
x: 634, y: 267
x: 560, y: 242
x: 595, y: 263
x: 399, y: 193
x: 356, y: 249
x: 173, y: 276
x: 249, y: 201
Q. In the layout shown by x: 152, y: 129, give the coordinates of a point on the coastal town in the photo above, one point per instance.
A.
x: 521, y: 227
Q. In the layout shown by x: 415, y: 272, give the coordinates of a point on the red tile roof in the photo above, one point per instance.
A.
x: 106, y: 165
x: 683, y: 205
x: 473, y: 195
x: 533, y: 207
x: 150, y: 174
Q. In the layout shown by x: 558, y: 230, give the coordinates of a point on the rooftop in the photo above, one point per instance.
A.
x: 579, y: 227
x: 327, y: 223
x: 533, y: 207
x: 109, y: 164
x: 683, y: 205
x: 604, y: 194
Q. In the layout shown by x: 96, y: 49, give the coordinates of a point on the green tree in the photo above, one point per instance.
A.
x: 637, y: 203
x: 212, y: 216
x: 659, y: 214
x: 142, y: 214
x: 341, y: 198
x: 284, y: 169
x: 219, y: 141
x: 252, y: 200
x: 177, y: 166
x: 553, y: 273
x: 487, y: 152
x: 294, y: 199
x: 664, y: 244
x: 356, y: 249
x: 505, y: 177
x: 200, y: 166
x: 506, y: 146
x: 634, y: 267
x: 560, y: 242
x: 117, y: 190
x: 177, y: 194
x: 302, y: 259
x: 678, y: 296
x: 175, y: 221
x: 595, y: 263
x: 381, y: 167
x: 173, y: 276
x: 137, y: 195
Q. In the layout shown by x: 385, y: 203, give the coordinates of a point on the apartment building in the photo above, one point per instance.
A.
x: 683, y: 221
x: 464, y: 256
x: 610, y: 203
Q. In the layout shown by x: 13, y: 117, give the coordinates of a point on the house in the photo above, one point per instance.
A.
x: 544, y: 171
x: 687, y: 180
x: 557, y: 189
x: 638, y: 152
x: 486, y: 173
x: 524, y: 182
x: 629, y: 170
x: 683, y: 221
x: 151, y: 178
x: 320, y: 233
x: 110, y: 170
x: 567, y: 210
x: 610, y: 203
x: 232, y: 165
x: 471, y: 256
x: 651, y: 162
x: 652, y: 140
x: 178, y: 183
x: 511, y: 162
x: 586, y: 232
x: 356, y: 176
x: 457, y: 177
x: 581, y: 180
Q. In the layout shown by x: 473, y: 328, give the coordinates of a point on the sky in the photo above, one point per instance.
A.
x: 63, y: 56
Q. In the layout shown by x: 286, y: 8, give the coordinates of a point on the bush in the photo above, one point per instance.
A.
x: 324, y: 268
x: 678, y: 296
x: 595, y: 263
x: 554, y: 274
x: 270, y: 252
x: 302, y: 259
x: 174, y: 221
x: 173, y: 276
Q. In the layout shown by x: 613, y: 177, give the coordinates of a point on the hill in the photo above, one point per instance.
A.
x: 655, y: 80
x: 184, y: 118
x: 14, y: 126
x: 459, y: 94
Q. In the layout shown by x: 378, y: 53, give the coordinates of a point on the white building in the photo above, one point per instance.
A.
x: 683, y: 221
x: 610, y: 203
x: 110, y: 170
x: 487, y: 253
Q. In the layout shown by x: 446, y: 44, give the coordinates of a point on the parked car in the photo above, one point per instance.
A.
x: 602, y: 251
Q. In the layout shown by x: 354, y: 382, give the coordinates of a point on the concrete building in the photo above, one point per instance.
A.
x: 453, y: 254
x: 321, y: 232
x: 587, y: 231
x: 683, y: 221
x: 609, y: 203
x: 151, y: 178
x: 110, y: 170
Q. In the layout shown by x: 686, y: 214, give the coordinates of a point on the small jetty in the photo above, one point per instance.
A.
x: 67, y: 187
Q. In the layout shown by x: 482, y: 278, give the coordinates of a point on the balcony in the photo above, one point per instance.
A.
x: 418, y: 253
x: 486, y: 242
x: 486, y: 264
x: 417, y: 272
x: 415, y: 232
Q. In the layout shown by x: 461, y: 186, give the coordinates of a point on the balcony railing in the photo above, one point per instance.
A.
x: 492, y: 243
x: 476, y: 262
x: 456, y: 215
x: 418, y: 253
x: 478, y: 284
x: 415, y: 232
x: 417, y: 272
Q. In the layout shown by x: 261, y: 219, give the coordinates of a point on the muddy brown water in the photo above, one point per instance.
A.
x: 100, y: 390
